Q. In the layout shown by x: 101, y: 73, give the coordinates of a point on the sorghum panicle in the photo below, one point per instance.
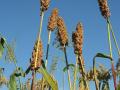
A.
x: 44, y: 4
x: 62, y: 32
x: 39, y: 56
x: 104, y: 8
x: 77, y: 39
x: 52, y: 24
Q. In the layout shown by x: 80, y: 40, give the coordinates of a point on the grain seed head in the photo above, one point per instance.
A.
x: 44, y: 4
x: 103, y: 5
x: 77, y: 39
x: 62, y: 35
x: 52, y: 24
x: 37, y: 54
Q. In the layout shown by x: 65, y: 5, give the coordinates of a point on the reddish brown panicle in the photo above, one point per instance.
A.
x: 77, y: 39
x: 37, y: 55
x: 44, y: 4
x: 62, y: 32
x: 52, y: 24
x: 104, y: 8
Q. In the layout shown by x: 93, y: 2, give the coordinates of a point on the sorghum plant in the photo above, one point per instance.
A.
x: 103, y: 4
x: 77, y: 38
x: 62, y: 37
x: 52, y: 25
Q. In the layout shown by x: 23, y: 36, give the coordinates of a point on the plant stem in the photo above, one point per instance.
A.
x: 114, y: 75
x: 75, y: 73
x: 39, y: 34
x: 48, y: 44
x: 83, y: 71
x: 41, y: 22
x: 110, y: 49
x: 94, y: 73
x: 109, y: 39
x: 38, y: 38
x: 63, y: 80
x: 67, y: 67
x: 33, y: 81
x: 114, y: 38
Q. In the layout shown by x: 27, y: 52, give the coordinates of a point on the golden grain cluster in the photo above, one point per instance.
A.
x: 37, y: 55
x: 62, y: 32
x: 104, y: 8
x: 52, y: 23
x: 44, y: 4
x: 77, y: 38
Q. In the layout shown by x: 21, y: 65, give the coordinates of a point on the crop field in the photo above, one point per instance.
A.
x: 59, y: 45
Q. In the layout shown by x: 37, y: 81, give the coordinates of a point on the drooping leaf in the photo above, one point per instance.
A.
x: 70, y: 66
x: 48, y: 78
x: 28, y: 70
x: 103, y: 56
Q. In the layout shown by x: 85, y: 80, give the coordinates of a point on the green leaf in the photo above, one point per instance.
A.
x: 48, y: 78
x: 2, y: 42
x: 103, y: 56
x: 69, y: 66
x: 12, y: 82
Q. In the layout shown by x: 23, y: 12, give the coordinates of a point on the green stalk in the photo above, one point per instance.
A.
x: 68, y: 71
x: 48, y: 44
x: 94, y: 73
x: 83, y: 72
x: 75, y: 73
x: 39, y: 33
x: 63, y: 80
x: 110, y: 49
x: 39, y: 36
x: 114, y: 38
x: 109, y: 39
x: 41, y: 22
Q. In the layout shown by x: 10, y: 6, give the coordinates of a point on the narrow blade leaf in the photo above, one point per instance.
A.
x: 12, y: 82
x: 48, y: 78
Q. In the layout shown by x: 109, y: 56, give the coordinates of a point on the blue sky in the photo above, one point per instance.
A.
x: 19, y: 20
